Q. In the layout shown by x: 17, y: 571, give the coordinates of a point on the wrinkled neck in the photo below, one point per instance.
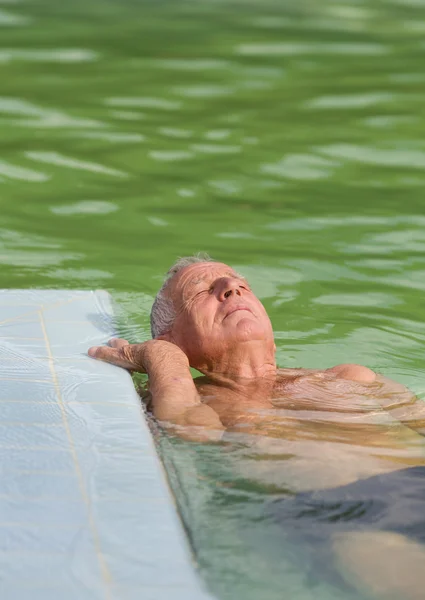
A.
x: 249, y: 364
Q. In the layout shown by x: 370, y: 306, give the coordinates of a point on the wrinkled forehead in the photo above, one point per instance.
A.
x: 198, y: 272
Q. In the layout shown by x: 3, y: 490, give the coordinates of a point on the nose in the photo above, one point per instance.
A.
x: 228, y: 286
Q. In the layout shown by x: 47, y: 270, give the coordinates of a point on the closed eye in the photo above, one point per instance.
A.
x: 205, y: 291
x: 244, y: 285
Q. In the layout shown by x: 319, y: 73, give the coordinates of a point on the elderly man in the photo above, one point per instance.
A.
x: 206, y: 316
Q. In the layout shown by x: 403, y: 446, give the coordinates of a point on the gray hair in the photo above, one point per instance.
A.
x: 163, y: 312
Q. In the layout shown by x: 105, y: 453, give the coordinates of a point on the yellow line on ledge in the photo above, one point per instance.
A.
x: 102, y: 563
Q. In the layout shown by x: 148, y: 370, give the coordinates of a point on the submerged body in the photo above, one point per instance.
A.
x: 333, y: 430
x: 322, y: 431
x: 345, y: 462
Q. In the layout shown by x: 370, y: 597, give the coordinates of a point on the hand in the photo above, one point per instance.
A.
x: 113, y: 353
x: 139, y: 357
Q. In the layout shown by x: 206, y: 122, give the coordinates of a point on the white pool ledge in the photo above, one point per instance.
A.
x: 86, y: 512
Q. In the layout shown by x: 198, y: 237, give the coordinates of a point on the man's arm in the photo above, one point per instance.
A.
x: 174, y: 395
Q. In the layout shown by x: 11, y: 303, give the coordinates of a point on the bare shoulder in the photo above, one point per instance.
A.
x: 353, y: 372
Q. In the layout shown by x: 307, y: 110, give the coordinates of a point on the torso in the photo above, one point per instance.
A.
x: 333, y: 430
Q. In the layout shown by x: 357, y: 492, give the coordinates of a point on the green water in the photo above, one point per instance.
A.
x: 285, y: 138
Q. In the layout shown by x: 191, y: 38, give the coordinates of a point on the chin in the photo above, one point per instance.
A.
x: 249, y: 330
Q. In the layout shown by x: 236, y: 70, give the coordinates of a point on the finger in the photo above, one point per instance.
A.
x: 117, y: 343
x: 110, y: 355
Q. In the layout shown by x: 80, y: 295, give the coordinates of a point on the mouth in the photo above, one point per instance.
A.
x: 235, y: 309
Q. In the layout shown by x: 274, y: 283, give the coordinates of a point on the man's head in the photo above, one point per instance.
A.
x: 210, y: 312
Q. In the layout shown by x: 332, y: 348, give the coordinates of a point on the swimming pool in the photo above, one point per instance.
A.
x: 285, y: 140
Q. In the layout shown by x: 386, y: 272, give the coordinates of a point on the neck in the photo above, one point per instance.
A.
x: 251, y: 363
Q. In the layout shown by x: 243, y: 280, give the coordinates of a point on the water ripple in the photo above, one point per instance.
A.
x: 414, y: 26
x: 273, y: 22
x: 92, y: 275
x: 255, y: 84
x: 407, y: 77
x: 54, y: 158
x: 68, y: 55
x: 112, y: 136
x: 42, y: 117
x: 15, y: 239
x: 193, y: 64
x: 263, y: 279
x: 215, y: 149
x: 369, y: 299
x: 127, y: 115
x: 345, y: 101
x: 389, y: 157
x: 22, y: 250
x: 264, y: 71
x: 141, y: 102
x: 185, y: 193
x: 18, y: 172
x: 235, y: 235
x: 301, y: 166
x: 315, y: 48
x: 217, y: 134
x: 313, y: 270
x: 319, y: 223
x: 338, y: 18
x: 157, y: 221
x: 170, y: 155
x: 410, y: 279
x: 175, y: 133
x: 31, y: 258
x: 204, y: 91
x: 8, y: 19
x: 86, y: 207
x: 384, y: 121
x: 403, y: 240
x: 226, y: 187
x: 419, y: 3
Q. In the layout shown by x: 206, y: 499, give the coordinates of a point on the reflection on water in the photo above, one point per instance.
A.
x: 54, y: 158
x: 285, y: 139
x: 56, y: 55
x: 291, y: 48
x: 349, y: 101
x: 86, y: 207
